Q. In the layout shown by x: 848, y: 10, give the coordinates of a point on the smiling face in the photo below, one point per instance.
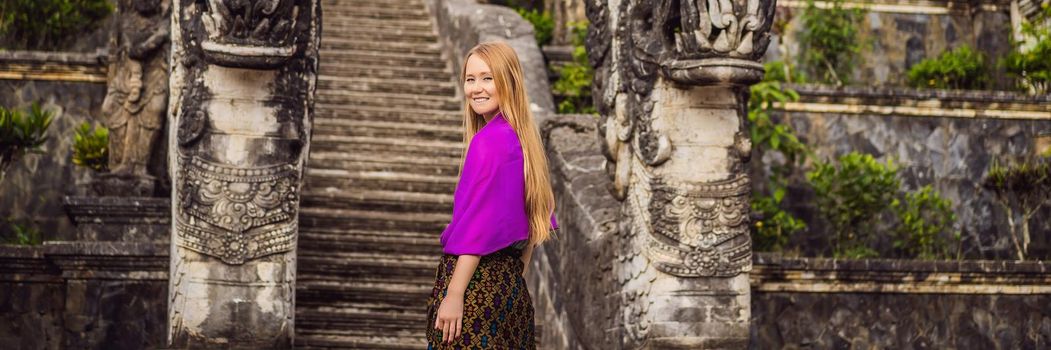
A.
x: 479, y: 87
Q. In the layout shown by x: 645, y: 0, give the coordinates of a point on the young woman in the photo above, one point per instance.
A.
x: 503, y: 208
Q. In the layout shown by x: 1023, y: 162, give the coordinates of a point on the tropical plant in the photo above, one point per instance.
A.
x: 1021, y: 189
x: 960, y: 68
x: 775, y: 225
x: 829, y: 41
x: 851, y: 196
x: 21, y: 134
x: 543, y: 25
x: 1032, y: 65
x: 91, y: 147
x: 44, y: 24
x: 575, y: 78
x: 925, y: 225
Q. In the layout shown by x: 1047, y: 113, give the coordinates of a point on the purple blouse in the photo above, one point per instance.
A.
x: 489, y: 210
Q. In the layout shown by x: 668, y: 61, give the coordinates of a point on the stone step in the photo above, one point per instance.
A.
x: 403, y: 37
x: 370, y: 199
x: 330, y: 44
x: 375, y: 3
x: 363, y: 321
x: 331, y: 265
x: 380, y: 180
x: 392, y: 100
x: 377, y: 25
x: 359, y: 57
x: 383, y: 161
x: 415, y: 25
x: 386, y: 34
x: 406, y: 115
x: 353, y: 144
x: 379, y: 241
x: 392, y: 14
x: 327, y: 218
x: 332, y: 339
x: 392, y: 129
x: 387, y: 85
x: 390, y: 296
x: 381, y: 71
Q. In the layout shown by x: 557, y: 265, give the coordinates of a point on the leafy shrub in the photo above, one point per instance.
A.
x: 851, y: 196
x: 21, y: 134
x: 575, y: 78
x: 775, y: 226
x: 961, y: 68
x: 1033, y: 65
x: 782, y: 72
x: 45, y: 24
x: 91, y: 147
x: 24, y: 235
x: 1021, y: 189
x: 829, y: 42
x: 543, y: 24
x: 925, y: 221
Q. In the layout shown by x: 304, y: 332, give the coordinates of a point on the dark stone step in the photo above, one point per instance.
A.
x: 403, y: 115
x: 386, y: 161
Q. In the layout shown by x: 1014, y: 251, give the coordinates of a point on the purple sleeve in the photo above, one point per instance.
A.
x: 554, y: 223
x: 488, y: 205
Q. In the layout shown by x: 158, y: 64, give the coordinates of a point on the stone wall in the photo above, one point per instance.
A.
x: 900, y: 33
x: 946, y: 139
x: 73, y: 87
x: 796, y: 303
x: 899, y: 304
x: 83, y: 295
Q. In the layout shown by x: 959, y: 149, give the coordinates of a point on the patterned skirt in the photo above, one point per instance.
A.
x: 497, y: 310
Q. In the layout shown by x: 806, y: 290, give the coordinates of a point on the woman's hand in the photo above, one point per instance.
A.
x: 450, y: 317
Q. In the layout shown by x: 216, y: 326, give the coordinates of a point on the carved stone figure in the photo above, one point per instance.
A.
x: 137, y: 86
x: 243, y: 83
x: 672, y: 83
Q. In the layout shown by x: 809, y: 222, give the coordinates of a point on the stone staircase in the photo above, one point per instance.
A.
x: 379, y: 183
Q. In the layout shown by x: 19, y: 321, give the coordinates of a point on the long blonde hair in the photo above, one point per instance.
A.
x: 514, y: 105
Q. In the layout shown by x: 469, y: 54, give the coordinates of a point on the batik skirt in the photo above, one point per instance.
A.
x: 497, y: 310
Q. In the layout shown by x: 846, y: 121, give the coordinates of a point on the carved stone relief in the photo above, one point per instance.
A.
x: 243, y: 82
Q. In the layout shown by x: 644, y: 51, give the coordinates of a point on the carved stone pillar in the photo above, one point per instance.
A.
x: 672, y: 84
x: 242, y: 95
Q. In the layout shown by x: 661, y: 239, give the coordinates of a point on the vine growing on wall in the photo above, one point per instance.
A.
x: 829, y: 42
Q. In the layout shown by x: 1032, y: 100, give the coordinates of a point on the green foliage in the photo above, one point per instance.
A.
x: 91, y: 147
x: 851, y: 198
x: 925, y: 227
x: 25, y: 235
x: 829, y: 41
x: 775, y: 226
x: 1021, y: 188
x: 543, y: 24
x: 771, y: 233
x: 782, y: 72
x: 45, y: 24
x: 21, y: 133
x: 575, y: 78
x: 961, y: 68
x: 1033, y: 65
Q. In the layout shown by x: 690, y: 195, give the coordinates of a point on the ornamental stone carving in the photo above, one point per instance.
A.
x: 136, y: 94
x: 243, y: 80
x: 671, y: 85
